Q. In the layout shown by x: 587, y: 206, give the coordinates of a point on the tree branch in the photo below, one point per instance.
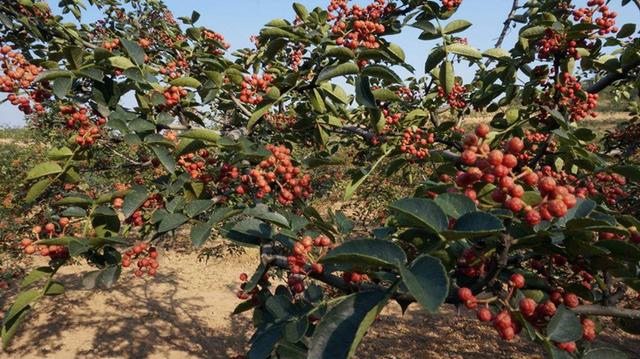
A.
x: 599, y: 310
x: 507, y: 23
x: 614, y: 76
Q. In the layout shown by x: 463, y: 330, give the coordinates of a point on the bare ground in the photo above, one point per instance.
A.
x: 184, y: 312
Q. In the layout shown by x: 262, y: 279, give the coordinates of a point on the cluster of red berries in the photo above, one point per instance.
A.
x: 301, y: 262
x: 275, y: 174
x: 295, y: 58
x: 470, y: 264
x: 572, y: 96
x: 137, y: 218
x: 554, y: 44
x: 608, y: 185
x: 241, y: 294
x: 533, y: 141
x: 281, y: 120
x: 172, y: 96
x: 144, y: 43
x: 252, y: 86
x: 111, y: 45
x: 607, y: 20
x: 219, y: 38
x: 497, y: 167
x: 80, y: 119
x: 391, y: 118
x: 146, y: 257
x: 196, y: 165
x: 49, y: 231
x: 451, y: 4
x: 356, y: 26
x: 417, y: 142
x: 174, y: 69
x: 18, y: 74
x: 455, y: 98
x: 405, y: 93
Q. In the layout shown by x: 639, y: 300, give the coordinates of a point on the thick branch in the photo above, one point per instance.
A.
x: 613, y: 77
x: 599, y: 310
x: 507, y: 23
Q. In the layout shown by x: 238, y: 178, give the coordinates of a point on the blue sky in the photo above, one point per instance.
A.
x: 239, y: 19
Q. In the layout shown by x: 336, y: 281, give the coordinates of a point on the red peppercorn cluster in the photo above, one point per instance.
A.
x: 276, y: 174
x: 451, y: 4
x: 80, y: 119
x: 137, y: 218
x: 357, y: 26
x: 195, y: 165
x: 533, y: 141
x: 172, y: 96
x: 174, y: 69
x: 218, y: 39
x: 606, y: 21
x: 608, y: 185
x: 48, y: 231
x: 281, y: 120
x: 295, y: 57
x: 571, y: 96
x: 556, y: 44
x: 18, y: 75
x: 406, y: 93
x: 242, y: 294
x: 146, y: 257
x: 144, y: 43
x: 301, y: 262
x: 417, y: 142
x: 471, y: 264
x: 391, y: 118
x: 252, y: 86
x: 455, y: 98
x: 111, y: 45
x: 499, y: 167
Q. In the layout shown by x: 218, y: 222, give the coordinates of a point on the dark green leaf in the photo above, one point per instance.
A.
x: 427, y: 281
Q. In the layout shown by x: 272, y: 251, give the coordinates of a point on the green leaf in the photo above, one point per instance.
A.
x: 135, y: 52
x: 396, y: 51
x: 340, y: 330
x: 43, y: 169
x: 347, y: 68
x: 200, y: 232
x: 364, y: 96
x: 367, y: 252
x: 381, y: 72
x: 339, y: 52
x: 202, y: 134
x: 61, y: 153
x: 23, y: 300
x: 427, y: 281
x: 250, y: 231
x: 386, y: 95
x: 133, y: 200
x: 165, y: 157
x: 626, y: 30
x: 258, y: 113
x: 564, y: 326
x: 264, y: 341
x: 62, y: 86
x: 197, y: 207
x: 37, y: 190
x: 121, y: 62
x: 355, y: 183
x: 455, y: 204
x: 420, y: 212
x: 186, y: 82
x: 171, y: 221
x: 53, y: 75
x: 621, y: 250
x: 261, y: 211
x: 54, y: 288
x: 498, y: 54
x: 476, y: 224
x: 10, y: 326
x: 456, y: 26
x: 36, y: 275
x: 434, y: 58
x: 301, y: 11
x: 447, y: 77
x: 464, y: 50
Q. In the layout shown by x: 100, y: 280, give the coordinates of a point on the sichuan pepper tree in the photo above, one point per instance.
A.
x: 518, y: 220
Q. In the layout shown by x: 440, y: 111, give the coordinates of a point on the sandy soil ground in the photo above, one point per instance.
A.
x: 185, y: 313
